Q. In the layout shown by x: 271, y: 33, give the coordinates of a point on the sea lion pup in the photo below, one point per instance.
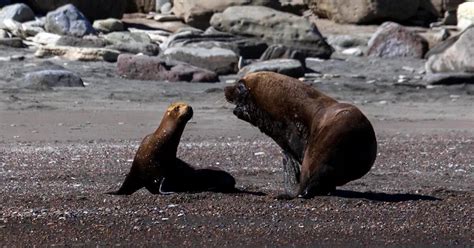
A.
x: 325, y: 143
x: 156, y: 167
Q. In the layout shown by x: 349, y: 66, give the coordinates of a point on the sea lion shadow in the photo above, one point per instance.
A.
x: 383, y: 197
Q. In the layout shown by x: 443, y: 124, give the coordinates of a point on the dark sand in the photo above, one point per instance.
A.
x: 61, y: 150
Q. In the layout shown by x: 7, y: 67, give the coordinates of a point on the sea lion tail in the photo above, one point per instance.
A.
x: 129, y: 186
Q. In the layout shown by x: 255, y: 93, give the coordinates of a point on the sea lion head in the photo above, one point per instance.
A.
x: 180, y: 112
x: 237, y: 93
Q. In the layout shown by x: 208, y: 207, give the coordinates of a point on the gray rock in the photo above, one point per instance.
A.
x: 289, y: 67
x: 159, y: 3
x: 154, y: 68
x: 12, y: 26
x: 48, y: 79
x: 342, y: 42
x: 86, y: 41
x: 449, y: 78
x: 365, y: 11
x: 45, y: 38
x: 288, y: 52
x: 68, y: 20
x: 197, y: 13
x: 393, y: 40
x: 19, y: 12
x: 33, y: 28
x: 274, y: 27
x: 92, y: 9
x: 166, y: 8
x: 132, y: 43
x: 456, y: 55
x: 108, y: 25
x: 249, y: 48
x: 220, y: 60
x: 12, y: 42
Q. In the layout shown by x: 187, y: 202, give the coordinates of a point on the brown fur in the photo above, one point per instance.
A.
x: 325, y: 143
x: 156, y: 167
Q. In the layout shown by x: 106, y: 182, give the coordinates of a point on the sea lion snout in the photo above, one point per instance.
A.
x: 181, y: 111
x: 236, y: 93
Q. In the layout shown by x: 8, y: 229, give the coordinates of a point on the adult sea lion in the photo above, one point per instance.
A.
x: 325, y: 143
x: 156, y: 167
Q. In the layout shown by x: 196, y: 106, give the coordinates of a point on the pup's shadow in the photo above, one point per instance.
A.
x: 383, y: 197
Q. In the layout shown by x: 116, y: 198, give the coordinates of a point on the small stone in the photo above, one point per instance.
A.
x: 166, y: 8
x: 45, y: 38
x: 354, y: 51
x: 78, y: 53
x: 108, y: 25
x: 465, y: 15
x: 12, y: 42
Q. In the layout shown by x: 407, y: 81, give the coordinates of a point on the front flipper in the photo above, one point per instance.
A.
x: 291, y: 175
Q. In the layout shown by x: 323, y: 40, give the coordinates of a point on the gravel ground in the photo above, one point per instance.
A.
x: 61, y: 150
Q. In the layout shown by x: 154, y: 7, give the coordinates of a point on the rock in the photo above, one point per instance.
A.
x: 365, y: 11
x: 19, y: 12
x: 166, y: 18
x: 92, y: 9
x: 68, y: 20
x: 14, y: 27
x: 160, y: 3
x: 4, y: 34
x: 289, y: 67
x: 465, y: 15
x: 342, y: 42
x: 449, y: 78
x: 48, y: 79
x: 78, y: 53
x: 45, y: 38
x: 220, y: 60
x: 156, y: 36
x: 132, y: 43
x: 154, y: 68
x: 456, y: 55
x: 353, y: 51
x: 108, y: 25
x: 249, y: 48
x: 274, y: 27
x: 144, y: 23
x: 166, y: 8
x: 12, y: 42
x: 86, y: 41
x: 197, y: 13
x: 393, y: 40
x: 33, y: 28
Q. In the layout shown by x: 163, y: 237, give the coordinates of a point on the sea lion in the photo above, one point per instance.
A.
x: 156, y: 167
x: 325, y: 143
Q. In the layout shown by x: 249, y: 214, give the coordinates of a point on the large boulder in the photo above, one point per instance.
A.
x: 220, y: 60
x: 92, y: 9
x: 197, y: 13
x: 289, y: 67
x: 68, y: 20
x: 455, y: 57
x: 144, y: 67
x: 365, y: 11
x: 19, y: 12
x: 294, y: 32
x: 393, y: 40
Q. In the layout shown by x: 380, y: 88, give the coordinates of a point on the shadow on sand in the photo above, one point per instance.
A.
x: 383, y: 197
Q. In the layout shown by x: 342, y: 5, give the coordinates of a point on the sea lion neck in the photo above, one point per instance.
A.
x: 169, y: 132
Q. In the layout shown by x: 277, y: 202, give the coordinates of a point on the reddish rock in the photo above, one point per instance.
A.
x: 393, y: 40
x: 144, y: 67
